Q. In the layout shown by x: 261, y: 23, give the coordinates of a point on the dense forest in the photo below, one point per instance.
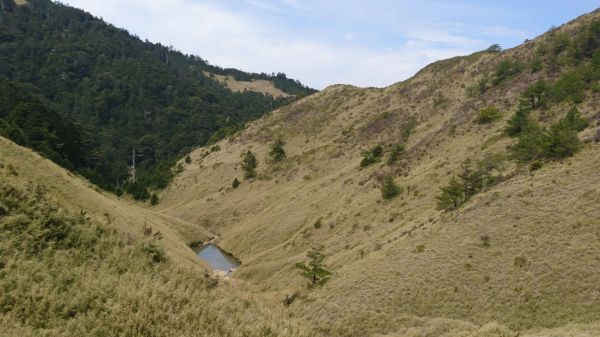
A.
x: 85, y: 93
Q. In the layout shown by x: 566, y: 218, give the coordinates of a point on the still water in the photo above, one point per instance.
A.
x: 217, y: 259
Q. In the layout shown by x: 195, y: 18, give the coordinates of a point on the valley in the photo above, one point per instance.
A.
x: 459, y: 202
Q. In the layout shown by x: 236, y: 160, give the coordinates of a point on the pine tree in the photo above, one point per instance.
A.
x: 277, y: 153
x: 315, y: 270
x: 249, y: 164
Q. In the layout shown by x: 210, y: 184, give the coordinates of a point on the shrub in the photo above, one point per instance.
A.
x: 389, y: 189
x: 277, y: 153
x: 154, y: 252
x: 188, y: 159
x: 506, y: 69
x: 488, y: 115
x: 154, y: 199
x: 395, y: 153
x: 560, y: 140
x: 249, y: 164
x: 318, y: 224
x: 465, y: 184
x: 236, y: 183
x: 371, y: 156
x: 531, y: 143
x: 518, y: 122
x: 569, y: 87
x: 536, y: 165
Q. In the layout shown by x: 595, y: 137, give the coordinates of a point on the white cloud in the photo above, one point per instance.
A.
x: 231, y: 38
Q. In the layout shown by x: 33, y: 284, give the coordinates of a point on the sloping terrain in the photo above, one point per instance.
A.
x: 260, y: 86
x: 521, y: 256
x: 121, y: 92
x: 78, y: 262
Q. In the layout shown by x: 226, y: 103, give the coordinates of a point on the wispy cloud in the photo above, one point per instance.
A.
x: 323, y: 42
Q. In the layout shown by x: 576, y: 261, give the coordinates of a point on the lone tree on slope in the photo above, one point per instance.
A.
x: 249, y: 164
x: 315, y: 270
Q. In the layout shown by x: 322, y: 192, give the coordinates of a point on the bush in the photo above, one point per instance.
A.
x: 389, y: 189
x: 518, y: 122
x: 236, y: 183
x: 536, y: 165
x: 277, y: 153
x: 464, y: 185
x: 249, y: 164
x: 395, y: 153
x: 560, y: 140
x: 506, y: 69
x: 488, y: 115
x: 371, y: 156
x: 569, y: 87
x: 154, y: 199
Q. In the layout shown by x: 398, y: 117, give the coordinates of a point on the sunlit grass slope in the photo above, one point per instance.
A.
x: 519, y: 257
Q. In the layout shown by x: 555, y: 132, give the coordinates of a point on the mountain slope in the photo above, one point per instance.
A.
x: 125, y: 92
x: 518, y: 257
x: 78, y: 262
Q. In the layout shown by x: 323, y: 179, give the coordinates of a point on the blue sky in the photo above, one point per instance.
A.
x: 364, y: 43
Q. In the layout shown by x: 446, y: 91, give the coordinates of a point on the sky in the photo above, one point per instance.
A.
x: 363, y: 43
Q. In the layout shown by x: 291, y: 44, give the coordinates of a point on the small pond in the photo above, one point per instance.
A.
x: 216, y: 258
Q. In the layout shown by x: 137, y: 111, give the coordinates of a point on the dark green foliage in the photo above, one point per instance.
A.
x: 536, y: 94
x: 536, y: 165
x: 188, y: 159
x: 236, y: 183
x: 277, y: 152
x: 131, y: 93
x: 389, y: 189
x: 470, y: 181
x: 495, y: 48
x: 488, y: 115
x: 154, y: 199
x: 29, y: 122
x: 562, y: 141
x: 138, y: 191
x: 536, y: 65
x: 452, y: 195
x: 569, y: 87
x: 531, y: 142
x: 314, y: 269
x: 518, y: 122
x: 395, y: 153
x: 558, y: 141
x: 574, y: 120
x: 506, y: 69
x: 371, y: 156
x: 249, y: 164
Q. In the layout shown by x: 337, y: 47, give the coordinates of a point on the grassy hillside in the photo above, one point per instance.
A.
x: 78, y: 262
x: 520, y: 256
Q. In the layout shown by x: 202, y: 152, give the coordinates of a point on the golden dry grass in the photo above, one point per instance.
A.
x: 260, y: 86
x: 102, y: 281
x: 403, y: 267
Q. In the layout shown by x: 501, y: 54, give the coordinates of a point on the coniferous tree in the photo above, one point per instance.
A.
x: 249, y: 164
x: 314, y: 270
x: 277, y: 153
